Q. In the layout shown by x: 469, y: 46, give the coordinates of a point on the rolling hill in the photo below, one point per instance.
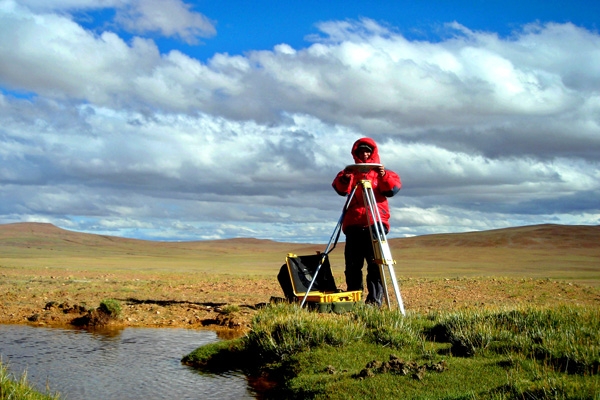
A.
x: 551, y: 251
x: 548, y: 236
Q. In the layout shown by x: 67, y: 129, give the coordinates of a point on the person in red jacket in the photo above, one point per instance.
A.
x: 385, y: 183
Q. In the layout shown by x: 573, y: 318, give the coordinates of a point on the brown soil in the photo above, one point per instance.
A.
x: 163, y: 302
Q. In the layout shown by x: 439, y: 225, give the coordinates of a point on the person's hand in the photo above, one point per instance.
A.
x: 346, y: 176
x: 381, y: 170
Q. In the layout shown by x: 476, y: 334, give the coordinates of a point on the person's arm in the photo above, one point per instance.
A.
x: 342, y: 183
x: 389, y: 182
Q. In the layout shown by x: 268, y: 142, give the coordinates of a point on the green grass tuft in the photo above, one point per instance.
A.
x: 13, y: 388
x: 282, y: 329
x: 111, y: 307
x: 566, y: 338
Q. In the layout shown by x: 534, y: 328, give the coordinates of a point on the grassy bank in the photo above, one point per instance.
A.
x: 14, y: 388
x: 516, y: 353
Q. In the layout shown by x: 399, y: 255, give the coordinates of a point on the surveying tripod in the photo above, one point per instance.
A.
x: 381, y: 249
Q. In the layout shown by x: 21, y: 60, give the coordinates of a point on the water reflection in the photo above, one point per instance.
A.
x: 133, y: 363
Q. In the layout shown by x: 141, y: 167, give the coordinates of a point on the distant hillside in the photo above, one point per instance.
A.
x: 40, y: 236
x: 43, y: 235
x: 35, y: 233
x: 525, y: 237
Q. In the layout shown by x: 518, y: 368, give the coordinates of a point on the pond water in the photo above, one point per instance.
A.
x: 133, y: 363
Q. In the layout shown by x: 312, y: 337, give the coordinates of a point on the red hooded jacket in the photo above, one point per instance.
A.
x: 383, y: 187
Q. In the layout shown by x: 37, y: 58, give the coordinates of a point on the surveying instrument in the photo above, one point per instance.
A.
x: 381, y: 248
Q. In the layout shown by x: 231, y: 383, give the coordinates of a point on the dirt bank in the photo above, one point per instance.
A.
x: 65, y: 299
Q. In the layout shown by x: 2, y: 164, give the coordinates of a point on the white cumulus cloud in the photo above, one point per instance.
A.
x: 114, y: 135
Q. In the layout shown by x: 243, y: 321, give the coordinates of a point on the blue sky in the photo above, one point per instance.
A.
x: 253, y: 25
x: 181, y: 120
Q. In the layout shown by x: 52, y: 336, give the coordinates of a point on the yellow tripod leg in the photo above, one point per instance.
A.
x: 381, y: 249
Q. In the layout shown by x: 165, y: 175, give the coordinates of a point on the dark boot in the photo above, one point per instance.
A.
x: 374, y: 285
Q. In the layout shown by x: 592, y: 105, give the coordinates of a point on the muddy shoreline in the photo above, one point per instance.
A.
x: 182, y: 315
x: 227, y: 320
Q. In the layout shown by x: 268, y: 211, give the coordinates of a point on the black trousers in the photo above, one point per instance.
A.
x: 359, y: 248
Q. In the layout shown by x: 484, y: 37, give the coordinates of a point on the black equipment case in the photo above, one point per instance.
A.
x: 296, y: 275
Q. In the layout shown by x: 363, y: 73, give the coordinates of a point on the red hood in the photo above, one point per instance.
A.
x: 369, y: 142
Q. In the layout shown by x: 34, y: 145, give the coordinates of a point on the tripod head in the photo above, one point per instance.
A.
x: 362, y: 167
